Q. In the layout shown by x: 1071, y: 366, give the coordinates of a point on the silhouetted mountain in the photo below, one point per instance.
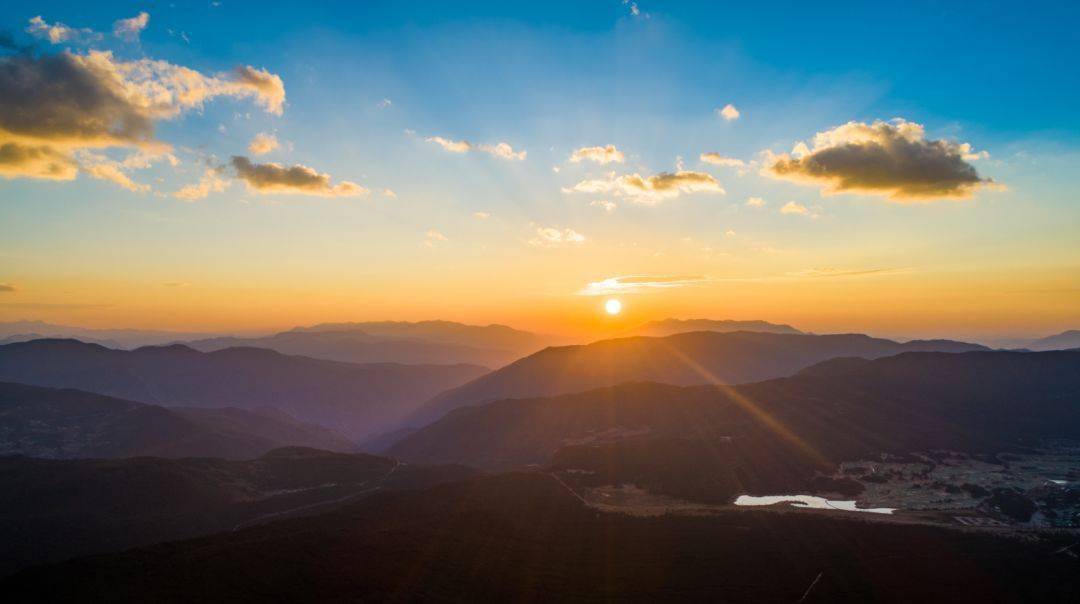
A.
x: 526, y: 538
x: 1062, y: 341
x: 499, y: 337
x: 669, y: 327
x: 55, y: 423
x: 51, y: 510
x: 353, y: 399
x: 782, y: 430
x: 360, y: 347
x: 682, y: 359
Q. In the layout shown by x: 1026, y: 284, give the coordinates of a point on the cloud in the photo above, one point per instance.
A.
x: 176, y: 284
x: 481, y: 215
x: 502, y: 150
x: 129, y: 29
x: 211, y: 182
x: 450, y: 145
x: 794, y: 207
x: 893, y: 159
x: 836, y: 272
x: 719, y: 160
x: 728, y: 112
x: 263, y: 143
x: 600, y: 155
x: 755, y: 202
x: 58, y: 33
x: 54, y: 105
x: 7, y: 288
x: 433, y: 238
x: 609, y: 206
x: 271, y: 178
x: 553, y: 237
x: 111, y: 172
x: 267, y: 88
x: 389, y: 193
x: 636, y: 284
x: 650, y: 189
x: 384, y: 104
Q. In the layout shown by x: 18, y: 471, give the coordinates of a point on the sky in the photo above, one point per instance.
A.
x: 907, y: 171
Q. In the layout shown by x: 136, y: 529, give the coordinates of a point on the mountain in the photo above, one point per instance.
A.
x: 1062, y: 341
x: 778, y: 433
x: 527, y: 538
x: 669, y: 327
x: 53, y: 509
x: 19, y: 331
x: 498, y: 337
x: 53, y: 423
x: 354, y: 399
x: 359, y: 347
x: 682, y: 359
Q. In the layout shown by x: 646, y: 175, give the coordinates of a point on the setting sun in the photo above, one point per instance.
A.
x: 613, y: 306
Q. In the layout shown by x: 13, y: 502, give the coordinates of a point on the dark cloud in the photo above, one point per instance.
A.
x: 893, y: 159
x: 7, y: 287
x: 296, y: 179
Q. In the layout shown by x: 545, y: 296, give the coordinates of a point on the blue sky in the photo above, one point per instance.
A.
x: 549, y: 79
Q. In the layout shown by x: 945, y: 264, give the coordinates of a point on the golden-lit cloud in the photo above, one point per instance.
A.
x: 53, y: 106
x: 650, y: 189
x: 555, y: 237
x: 111, y: 172
x: 794, y: 207
x: 636, y: 284
x: 297, y: 179
x: 728, y: 112
x: 129, y: 29
x: 263, y: 143
x: 893, y: 159
x: 58, y: 33
x: 755, y: 202
x: 720, y: 160
x: 503, y: 150
x: 481, y: 215
x: 601, y: 155
x: 211, y: 182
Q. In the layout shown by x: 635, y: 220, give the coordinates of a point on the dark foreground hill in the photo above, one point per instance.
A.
x: 683, y: 359
x: 779, y: 432
x: 525, y: 537
x: 65, y: 423
x: 354, y: 399
x: 52, y: 510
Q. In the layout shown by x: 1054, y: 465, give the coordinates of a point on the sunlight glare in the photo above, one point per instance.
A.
x: 613, y: 306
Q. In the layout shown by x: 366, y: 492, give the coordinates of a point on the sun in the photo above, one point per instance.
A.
x: 613, y: 306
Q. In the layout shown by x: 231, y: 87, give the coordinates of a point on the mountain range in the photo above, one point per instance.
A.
x: 682, y: 359
x: 353, y: 399
x: 65, y: 423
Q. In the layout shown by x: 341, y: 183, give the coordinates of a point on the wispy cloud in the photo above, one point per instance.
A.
x: 130, y: 29
x: 481, y: 215
x: 721, y: 160
x: 555, y: 237
x: 635, y: 284
x: 794, y: 207
x: 7, y: 288
x: 839, y: 272
x: 892, y: 159
x: 58, y: 33
x: 211, y: 182
x: 502, y: 150
x: 433, y: 238
x: 650, y: 189
x: 755, y: 202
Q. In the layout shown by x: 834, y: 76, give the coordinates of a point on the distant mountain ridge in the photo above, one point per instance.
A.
x: 354, y: 399
x: 669, y: 327
x: 682, y: 359
x: 66, y: 423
